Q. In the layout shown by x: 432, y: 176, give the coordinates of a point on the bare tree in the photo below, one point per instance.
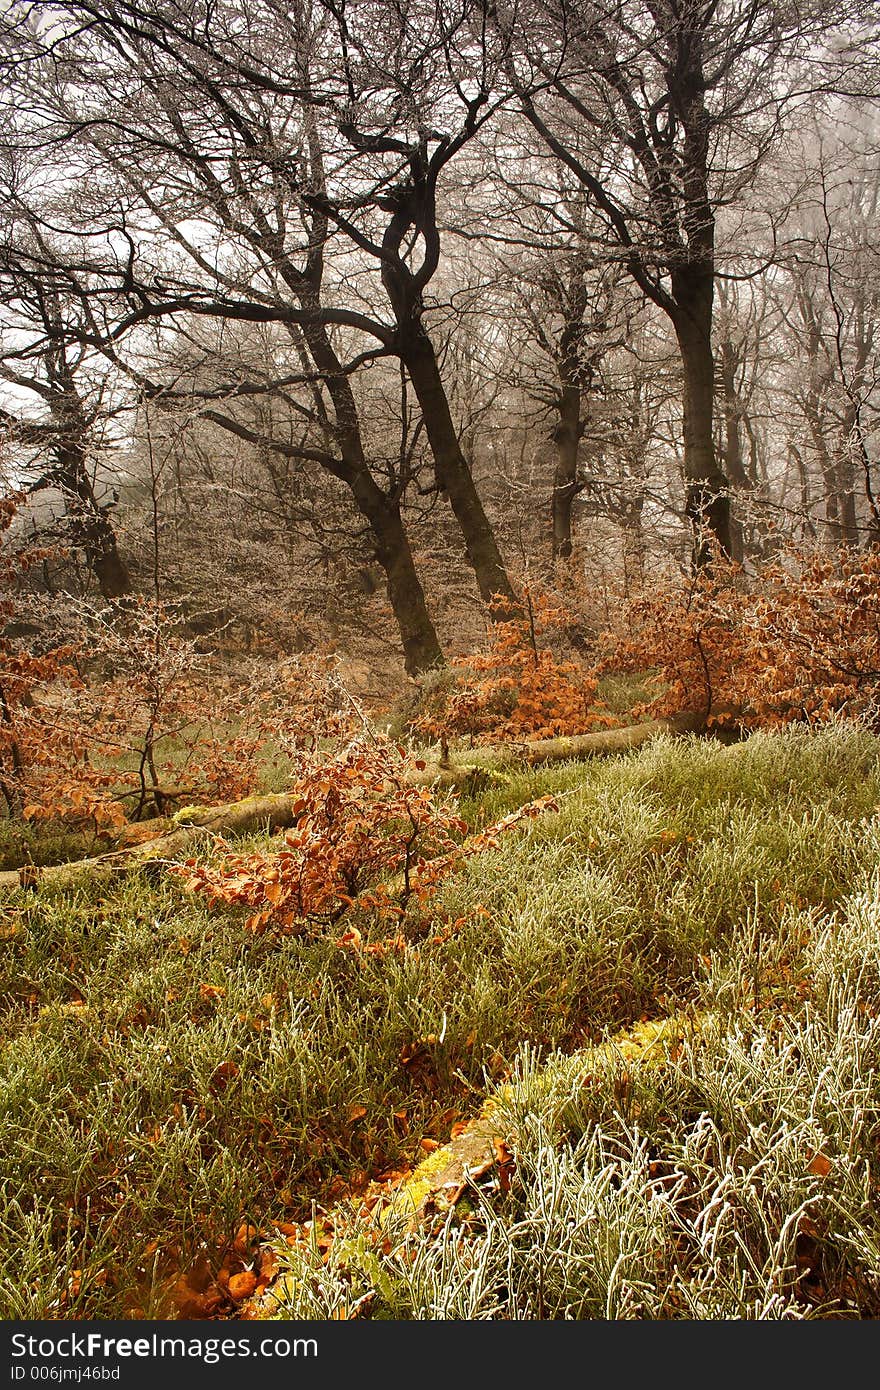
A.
x: 185, y: 156
x: 259, y: 141
x: 830, y: 306
x: 689, y: 94
x: 56, y: 403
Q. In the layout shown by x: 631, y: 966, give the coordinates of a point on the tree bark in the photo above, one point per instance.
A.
x: 734, y: 459
x: 92, y: 527
x: 452, y: 470
x: 90, y: 523
x: 846, y: 492
x: 634, y: 548
x: 707, y: 501
x: 421, y: 645
x: 566, y: 437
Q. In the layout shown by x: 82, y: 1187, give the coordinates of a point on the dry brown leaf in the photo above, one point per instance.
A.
x: 241, y: 1286
x: 244, y: 1238
x: 222, y: 1075
x: 819, y: 1164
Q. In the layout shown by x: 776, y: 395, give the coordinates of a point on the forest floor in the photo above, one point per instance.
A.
x: 198, y: 1121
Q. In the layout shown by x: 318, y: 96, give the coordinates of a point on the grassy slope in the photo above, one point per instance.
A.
x: 164, y: 1076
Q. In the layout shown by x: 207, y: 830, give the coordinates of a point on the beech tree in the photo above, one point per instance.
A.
x: 689, y: 94
x: 313, y: 179
x: 57, y: 402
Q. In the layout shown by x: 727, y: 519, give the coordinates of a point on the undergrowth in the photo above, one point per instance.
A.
x: 166, y: 1076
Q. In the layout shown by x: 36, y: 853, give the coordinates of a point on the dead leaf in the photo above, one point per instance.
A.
x: 241, y: 1286
x: 819, y: 1164
x: 244, y: 1238
x: 221, y: 1076
x: 506, y: 1164
x: 269, y: 1265
x: 194, y: 1294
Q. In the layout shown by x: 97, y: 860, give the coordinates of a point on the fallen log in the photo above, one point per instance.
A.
x: 601, y: 743
x: 193, y: 825
x: 476, y: 1166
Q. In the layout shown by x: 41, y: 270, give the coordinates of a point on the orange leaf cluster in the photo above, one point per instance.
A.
x: 359, y: 822
x: 520, y: 686
x: 363, y: 834
x: 801, y: 639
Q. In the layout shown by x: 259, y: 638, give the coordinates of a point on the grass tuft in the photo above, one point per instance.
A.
x: 165, y: 1076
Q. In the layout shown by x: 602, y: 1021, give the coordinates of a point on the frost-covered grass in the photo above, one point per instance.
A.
x: 164, y: 1075
x: 737, y: 1178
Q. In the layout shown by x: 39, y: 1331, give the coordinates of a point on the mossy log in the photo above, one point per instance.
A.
x: 485, y: 1150
x: 459, y: 774
x: 193, y: 825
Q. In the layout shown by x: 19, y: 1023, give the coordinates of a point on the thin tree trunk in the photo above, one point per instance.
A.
x: 634, y: 549
x: 707, y: 501
x: 846, y: 493
x: 566, y: 437
x: 840, y: 517
x: 452, y: 468
x: 734, y: 461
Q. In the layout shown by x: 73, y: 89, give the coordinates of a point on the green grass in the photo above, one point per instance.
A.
x: 27, y: 842
x: 737, y: 1179
x: 620, y: 691
x: 687, y: 875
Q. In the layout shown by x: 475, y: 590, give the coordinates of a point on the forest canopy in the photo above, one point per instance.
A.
x: 363, y: 313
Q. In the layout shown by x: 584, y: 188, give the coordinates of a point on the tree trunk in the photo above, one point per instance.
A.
x: 634, y: 548
x: 840, y: 510
x: 734, y: 460
x: 566, y: 437
x: 106, y: 563
x: 707, y: 498
x: 452, y: 469
x: 846, y: 492
x: 421, y: 645
x: 846, y: 474
x: 90, y: 523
